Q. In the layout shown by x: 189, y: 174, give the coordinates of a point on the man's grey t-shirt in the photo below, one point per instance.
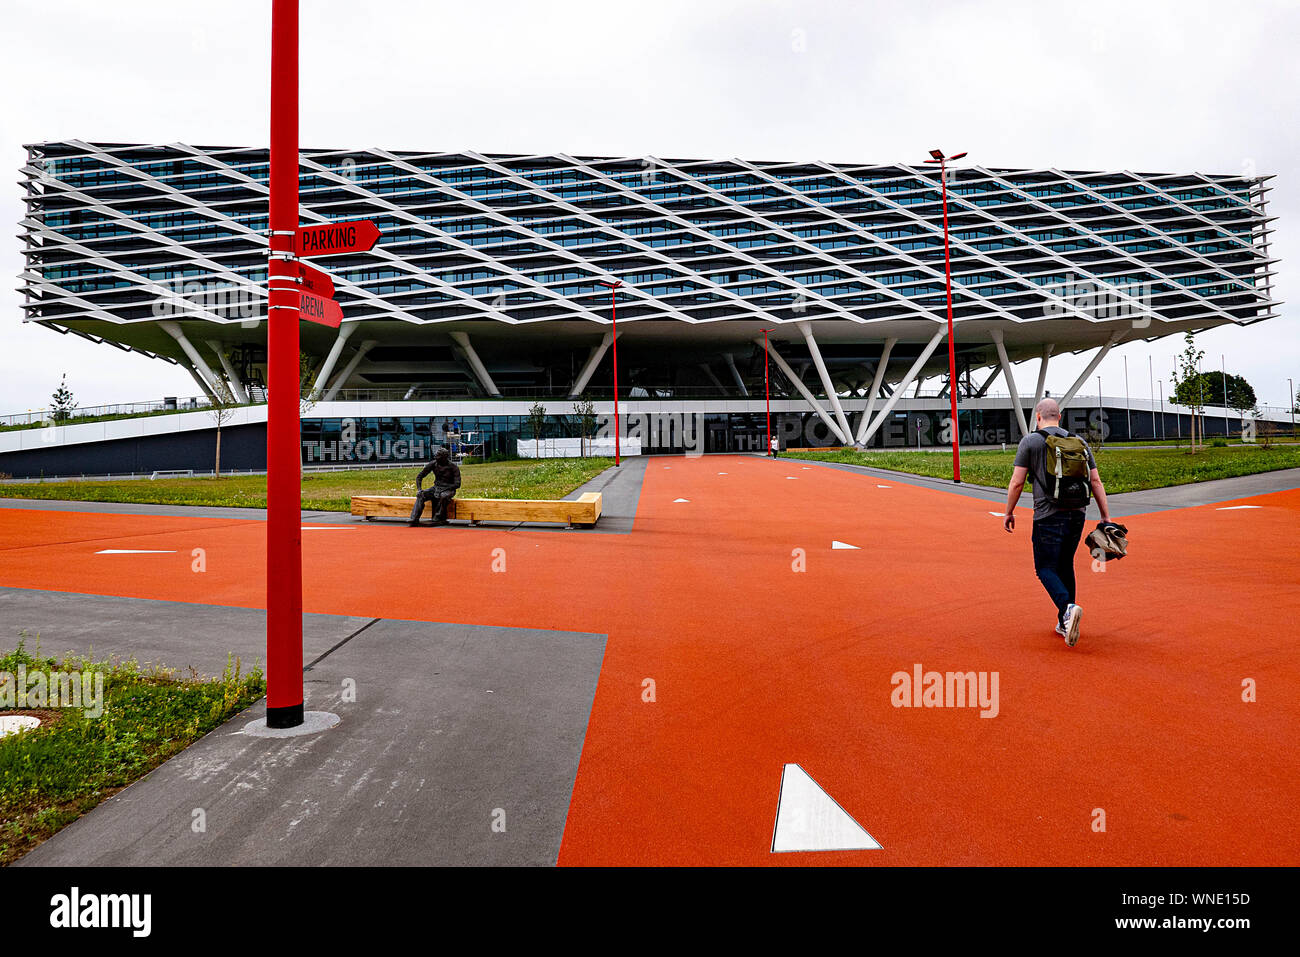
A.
x: 1032, y: 454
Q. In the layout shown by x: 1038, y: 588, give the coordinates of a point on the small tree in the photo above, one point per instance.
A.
x: 1189, y: 388
x: 586, y: 413
x: 63, y: 405
x: 222, y: 410
x: 307, y: 395
x: 537, y: 420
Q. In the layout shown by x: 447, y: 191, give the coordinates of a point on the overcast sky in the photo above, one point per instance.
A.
x: 1138, y: 84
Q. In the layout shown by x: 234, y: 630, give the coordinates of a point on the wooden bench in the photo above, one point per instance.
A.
x: 583, y: 511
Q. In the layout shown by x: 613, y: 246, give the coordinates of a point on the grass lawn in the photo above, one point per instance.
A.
x: 328, y: 491
x: 1123, y: 470
x: 52, y: 774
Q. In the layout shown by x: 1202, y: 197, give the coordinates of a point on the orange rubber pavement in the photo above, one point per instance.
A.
x: 756, y: 665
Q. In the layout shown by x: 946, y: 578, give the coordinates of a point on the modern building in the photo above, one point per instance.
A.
x: 484, y: 293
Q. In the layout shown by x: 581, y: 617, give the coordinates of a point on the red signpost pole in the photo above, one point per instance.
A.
x: 284, y: 697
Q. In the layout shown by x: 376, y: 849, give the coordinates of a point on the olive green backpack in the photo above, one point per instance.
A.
x: 1067, y: 470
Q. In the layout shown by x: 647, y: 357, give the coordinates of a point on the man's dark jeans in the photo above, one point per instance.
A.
x: 440, y: 496
x: 1056, y: 539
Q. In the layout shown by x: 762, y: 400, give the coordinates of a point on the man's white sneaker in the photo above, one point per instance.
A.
x: 1070, y: 627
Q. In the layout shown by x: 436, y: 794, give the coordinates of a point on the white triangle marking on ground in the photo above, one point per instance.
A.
x: 884, y: 486
x: 136, y: 551
x: 1233, y: 508
x: 676, y: 500
x: 792, y: 476
x: 835, y: 544
x: 996, y: 514
x: 722, y: 473
x: 328, y: 528
x: 808, y: 819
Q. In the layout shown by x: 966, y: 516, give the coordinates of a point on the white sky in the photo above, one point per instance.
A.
x: 1139, y: 84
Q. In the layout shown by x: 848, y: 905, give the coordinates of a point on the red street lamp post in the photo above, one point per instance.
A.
x: 613, y: 312
x: 936, y: 156
x: 767, y: 390
x: 284, y: 697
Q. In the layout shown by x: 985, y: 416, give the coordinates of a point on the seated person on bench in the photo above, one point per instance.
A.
x: 446, y: 479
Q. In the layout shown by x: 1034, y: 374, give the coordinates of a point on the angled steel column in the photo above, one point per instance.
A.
x: 876, y: 383
x: 1083, y: 376
x: 1042, y: 372
x: 196, y: 360
x: 236, y: 384
x: 806, y: 328
x: 907, y: 380
x: 716, y: 381
x: 997, y: 371
x: 480, y: 370
x: 207, y: 389
x: 589, y: 367
x: 803, y: 391
x: 735, y: 373
x: 1011, y: 380
x: 327, y: 367
x: 348, y: 369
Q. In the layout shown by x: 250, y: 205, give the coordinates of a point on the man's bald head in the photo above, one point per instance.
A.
x: 1048, y: 411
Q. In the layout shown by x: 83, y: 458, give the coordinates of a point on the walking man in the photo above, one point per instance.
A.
x: 1064, y: 472
x: 446, y: 480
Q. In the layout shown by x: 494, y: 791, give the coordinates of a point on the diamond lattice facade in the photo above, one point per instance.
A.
x: 486, y: 281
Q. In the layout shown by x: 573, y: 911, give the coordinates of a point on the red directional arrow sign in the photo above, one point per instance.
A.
x: 313, y: 308
x: 315, y: 281
x: 356, y: 236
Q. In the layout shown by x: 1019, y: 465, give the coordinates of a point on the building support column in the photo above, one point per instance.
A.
x: 803, y: 391
x: 207, y: 389
x: 480, y: 370
x: 735, y: 373
x: 713, y: 378
x: 236, y: 384
x: 834, y: 397
x: 877, y: 381
x: 589, y: 367
x: 1042, y: 373
x: 331, y: 360
x: 1083, y: 376
x: 348, y: 369
x: 196, y: 360
x: 979, y: 393
x: 912, y: 373
x: 1011, y: 381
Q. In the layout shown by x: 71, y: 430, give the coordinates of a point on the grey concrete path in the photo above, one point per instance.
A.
x: 458, y: 744
x: 174, y: 511
x: 1121, y: 505
x: 620, y: 488
x: 173, y: 634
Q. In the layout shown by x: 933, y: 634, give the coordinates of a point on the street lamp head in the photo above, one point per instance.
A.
x: 612, y: 285
x: 957, y: 157
x: 937, y: 154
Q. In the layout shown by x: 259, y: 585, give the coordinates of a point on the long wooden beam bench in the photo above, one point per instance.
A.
x: 583, y: 511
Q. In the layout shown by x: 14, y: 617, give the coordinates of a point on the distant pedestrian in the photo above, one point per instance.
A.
x: 1064, y: 474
